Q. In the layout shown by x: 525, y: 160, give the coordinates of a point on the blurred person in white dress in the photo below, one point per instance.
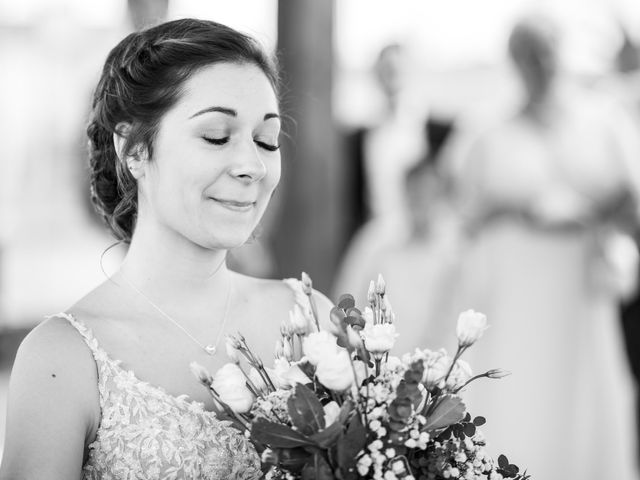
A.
x: 546, y: 196
x: 389, y: 148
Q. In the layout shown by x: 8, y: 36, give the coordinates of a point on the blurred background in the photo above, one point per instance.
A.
x: 448, y: 76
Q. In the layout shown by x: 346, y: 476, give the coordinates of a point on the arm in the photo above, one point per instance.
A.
x: 52, y: 407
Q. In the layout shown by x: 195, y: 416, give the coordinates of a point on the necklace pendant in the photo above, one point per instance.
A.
x: 210, y: 349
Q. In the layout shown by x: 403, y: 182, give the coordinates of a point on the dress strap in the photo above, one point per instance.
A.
x: 99, y: 354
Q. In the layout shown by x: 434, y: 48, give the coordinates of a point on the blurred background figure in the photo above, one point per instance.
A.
x: 378, y: 161
x: 421, y: 269
x: 547, y: 195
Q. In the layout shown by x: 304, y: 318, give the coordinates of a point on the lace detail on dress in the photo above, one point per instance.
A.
x: 145, y: 433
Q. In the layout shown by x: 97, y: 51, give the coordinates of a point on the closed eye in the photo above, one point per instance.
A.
x: 267, y: 146
x: 216, y: 141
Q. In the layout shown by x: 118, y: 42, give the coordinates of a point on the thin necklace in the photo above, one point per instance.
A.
x: 210, y: 348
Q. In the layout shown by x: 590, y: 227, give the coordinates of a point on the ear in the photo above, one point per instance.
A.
x: 133, y: 162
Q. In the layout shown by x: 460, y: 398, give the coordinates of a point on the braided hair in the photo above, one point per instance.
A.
x: 141, y: 80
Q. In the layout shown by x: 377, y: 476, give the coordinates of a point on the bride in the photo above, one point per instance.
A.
x: 184, y: 159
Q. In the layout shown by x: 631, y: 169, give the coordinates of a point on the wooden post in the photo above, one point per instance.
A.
x: 307, y: 232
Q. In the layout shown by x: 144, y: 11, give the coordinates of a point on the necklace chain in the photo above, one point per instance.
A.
x: 210, y: 348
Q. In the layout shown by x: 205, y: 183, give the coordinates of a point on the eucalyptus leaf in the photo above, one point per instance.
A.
x: 449, y: 410
x: 346, y: 301
x: 479, y: 421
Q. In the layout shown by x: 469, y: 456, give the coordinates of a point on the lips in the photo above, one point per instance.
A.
x: 236, y: 205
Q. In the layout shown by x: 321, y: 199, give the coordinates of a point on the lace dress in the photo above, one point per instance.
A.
x: 146, y: 433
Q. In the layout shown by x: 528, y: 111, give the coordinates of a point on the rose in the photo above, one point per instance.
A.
x: 334, y: 371
x: 471, y: 326
x: 379, y: 339
x: 230, y: 383
x: 286, y: 375
x: 318, y: 345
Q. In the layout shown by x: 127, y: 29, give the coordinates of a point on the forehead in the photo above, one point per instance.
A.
x: 243, y: 87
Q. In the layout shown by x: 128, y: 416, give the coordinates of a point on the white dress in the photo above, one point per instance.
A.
x: 567, y: 410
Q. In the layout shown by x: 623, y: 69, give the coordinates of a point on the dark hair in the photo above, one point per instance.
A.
x: 141, y: 80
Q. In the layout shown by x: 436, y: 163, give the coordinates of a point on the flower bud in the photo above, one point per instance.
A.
x: 471, y: 326
x: 381, y: 286
x: 299, y: 322
x: 279, y: 351
x: 497, y: 373
x: 371, y: 294
x: 231, y: 345
x: 201, y: 373
x: 307, y: 284
x: 287, y: 350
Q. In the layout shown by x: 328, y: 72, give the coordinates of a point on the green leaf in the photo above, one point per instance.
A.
x: 277, y: 435
x: 448, y: 411
x: 305, y: 410
x: 350, y: 444
x: 503, y: 461
x: 317, y: 469
x: 329, y: 436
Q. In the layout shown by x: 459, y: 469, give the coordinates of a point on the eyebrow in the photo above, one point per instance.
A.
x: 228, y: 111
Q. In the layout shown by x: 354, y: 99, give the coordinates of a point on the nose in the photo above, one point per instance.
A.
x: 248, y: 164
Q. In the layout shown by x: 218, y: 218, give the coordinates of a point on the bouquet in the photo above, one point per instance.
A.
x: 336, y: 405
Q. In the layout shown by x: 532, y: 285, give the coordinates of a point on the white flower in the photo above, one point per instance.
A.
x: 379, y: 339
x: 230, y: 384
x: 286, y: 375
x: 471, y: 326
x: 435, y: 368
x: 331, y: 413
x: 319, y: 345
x: 335, y: 372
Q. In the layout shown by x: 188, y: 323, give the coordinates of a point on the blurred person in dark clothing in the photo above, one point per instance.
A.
x: 547, y: 262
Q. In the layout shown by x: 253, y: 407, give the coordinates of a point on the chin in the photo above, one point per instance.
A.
x: 224, y: 240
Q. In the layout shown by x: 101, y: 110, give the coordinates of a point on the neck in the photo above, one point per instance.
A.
x: 162, y: 262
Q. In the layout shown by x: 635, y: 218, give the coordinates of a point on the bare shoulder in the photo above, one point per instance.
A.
x: 55, y: 342
x: 279, y: 295
x: 55, y: 358
x: 52, y: 407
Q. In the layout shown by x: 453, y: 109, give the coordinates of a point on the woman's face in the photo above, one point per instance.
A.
x: 215, y: 159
